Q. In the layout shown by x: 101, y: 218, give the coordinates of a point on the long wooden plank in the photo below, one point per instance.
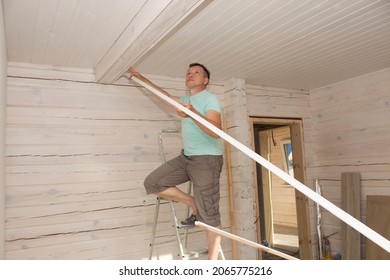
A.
x: 378, y: 218
x: 350, y: 195
x: 245, y: 241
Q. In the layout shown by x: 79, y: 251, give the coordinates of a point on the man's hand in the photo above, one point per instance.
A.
x: 133, y: 73
x: 181, y: 113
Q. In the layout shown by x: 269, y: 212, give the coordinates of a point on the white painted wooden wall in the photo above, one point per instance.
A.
x: 77, y: 154
x: 3, y: 67
x: 351, y: 132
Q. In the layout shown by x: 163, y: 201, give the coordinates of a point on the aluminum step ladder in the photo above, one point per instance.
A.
x: 181, y: 231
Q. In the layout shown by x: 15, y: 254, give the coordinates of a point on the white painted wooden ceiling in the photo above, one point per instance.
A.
x: 285, y: 43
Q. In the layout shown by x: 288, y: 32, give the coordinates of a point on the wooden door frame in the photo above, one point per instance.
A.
x: 303, y: 218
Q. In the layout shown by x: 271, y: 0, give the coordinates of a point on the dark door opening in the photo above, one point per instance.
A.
x: 282, y: 214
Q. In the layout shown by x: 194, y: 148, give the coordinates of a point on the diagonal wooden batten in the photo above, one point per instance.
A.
x: 338, y: 212
x: 245, y: 241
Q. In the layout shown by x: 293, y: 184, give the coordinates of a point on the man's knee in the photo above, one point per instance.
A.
x: 150, y: 184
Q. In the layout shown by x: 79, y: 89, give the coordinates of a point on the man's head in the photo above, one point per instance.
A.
x: 206, y: 71
x: 198, y: 76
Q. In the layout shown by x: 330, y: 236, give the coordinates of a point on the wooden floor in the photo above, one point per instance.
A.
x: 286, y: 241
x: 286, y: 236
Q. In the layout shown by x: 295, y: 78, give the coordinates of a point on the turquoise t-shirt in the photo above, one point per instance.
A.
x: 195, y: 141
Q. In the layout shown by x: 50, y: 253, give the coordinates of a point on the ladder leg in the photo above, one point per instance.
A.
x: 188, y: 214
x: 173, y: 212
x: 176, y: 226
x: 156, y: 211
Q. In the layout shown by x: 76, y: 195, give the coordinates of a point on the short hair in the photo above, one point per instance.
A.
x: 203, y: 67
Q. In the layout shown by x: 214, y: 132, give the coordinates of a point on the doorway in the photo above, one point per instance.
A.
x: 283, y: 222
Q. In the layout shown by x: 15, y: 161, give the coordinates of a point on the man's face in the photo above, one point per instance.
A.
x: 196, y: 77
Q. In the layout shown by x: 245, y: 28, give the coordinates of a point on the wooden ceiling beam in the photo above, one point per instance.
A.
x: 153, y: 22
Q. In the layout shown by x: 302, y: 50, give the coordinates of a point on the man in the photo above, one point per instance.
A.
x: 200, y: 160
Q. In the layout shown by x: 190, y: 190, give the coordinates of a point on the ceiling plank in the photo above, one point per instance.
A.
x: 153, y: 22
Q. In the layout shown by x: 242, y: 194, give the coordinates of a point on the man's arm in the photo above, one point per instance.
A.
x: 214, y: 118
x: 136, y: 74
x: 211, y: 116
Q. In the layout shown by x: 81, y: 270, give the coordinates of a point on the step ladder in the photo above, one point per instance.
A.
x: 181, y: 231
